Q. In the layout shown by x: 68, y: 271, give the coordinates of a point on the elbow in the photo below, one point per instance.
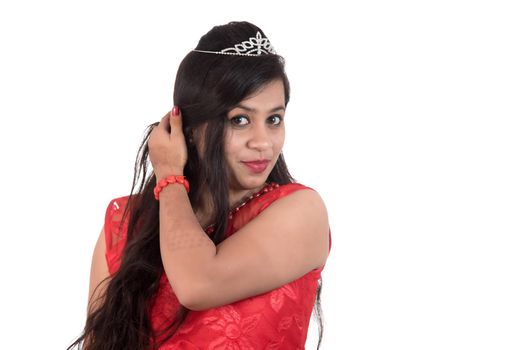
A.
x: 194, y: 290
x: 188, y: 306
x: 193, y: 298
x: 194, y: 307
x: 186, y: 297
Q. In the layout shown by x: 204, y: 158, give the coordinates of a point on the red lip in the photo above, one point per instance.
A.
x: 257, y: 166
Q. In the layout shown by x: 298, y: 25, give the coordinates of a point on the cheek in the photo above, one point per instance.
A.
x: 231, y: 146
x: 278, y: 141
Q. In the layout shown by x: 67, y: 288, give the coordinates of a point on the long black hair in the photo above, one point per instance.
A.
x: 207, y: 86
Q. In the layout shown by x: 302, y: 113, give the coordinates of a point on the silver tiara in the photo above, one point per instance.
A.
x: 252, y: 47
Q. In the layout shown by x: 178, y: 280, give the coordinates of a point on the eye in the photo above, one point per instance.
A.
x: 239, y: 120
x: 275, y: 119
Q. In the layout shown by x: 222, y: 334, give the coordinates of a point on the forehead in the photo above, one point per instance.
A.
x: 266, y: 98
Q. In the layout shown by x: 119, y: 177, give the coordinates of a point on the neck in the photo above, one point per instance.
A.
x: 237, y: 197
x: 205, y: 214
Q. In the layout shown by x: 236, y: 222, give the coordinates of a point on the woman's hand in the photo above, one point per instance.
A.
x: 167, y: 146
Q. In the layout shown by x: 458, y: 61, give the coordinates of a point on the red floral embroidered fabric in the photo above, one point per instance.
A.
x: 278, y: 319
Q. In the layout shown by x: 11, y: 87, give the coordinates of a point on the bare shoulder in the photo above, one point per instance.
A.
x: 304, y: 199
x: 304, y: 216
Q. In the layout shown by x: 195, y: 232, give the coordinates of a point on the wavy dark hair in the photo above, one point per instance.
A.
x: 207, y: 87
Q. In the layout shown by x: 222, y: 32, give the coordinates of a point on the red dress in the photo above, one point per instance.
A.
x: 278, y: 319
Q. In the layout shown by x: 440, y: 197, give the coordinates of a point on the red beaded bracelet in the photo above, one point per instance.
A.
x: 173, y: 179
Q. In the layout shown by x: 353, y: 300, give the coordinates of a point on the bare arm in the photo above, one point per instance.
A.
x: 99, y: 272
x: 286, y: 241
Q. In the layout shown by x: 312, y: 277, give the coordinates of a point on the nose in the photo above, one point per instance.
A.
x: 259, y: 138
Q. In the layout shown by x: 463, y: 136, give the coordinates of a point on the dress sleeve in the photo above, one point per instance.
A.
x: 115, y: 233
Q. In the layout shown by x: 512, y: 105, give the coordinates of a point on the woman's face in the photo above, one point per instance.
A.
x: 254, y: 136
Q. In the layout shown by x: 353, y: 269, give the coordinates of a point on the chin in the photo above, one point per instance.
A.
x: 253, y: 182
x: 248, y: 182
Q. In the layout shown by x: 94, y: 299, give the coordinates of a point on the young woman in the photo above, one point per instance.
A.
x: 218, y: 247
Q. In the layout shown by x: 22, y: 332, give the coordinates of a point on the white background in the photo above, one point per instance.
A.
x: 406, y: 116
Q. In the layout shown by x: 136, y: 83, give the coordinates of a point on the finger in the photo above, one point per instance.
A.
x: 175, y: 119
x: 162, y: 126
x: 160, y: 129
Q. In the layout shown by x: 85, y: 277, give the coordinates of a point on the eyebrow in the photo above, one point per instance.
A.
x: 249, y: 109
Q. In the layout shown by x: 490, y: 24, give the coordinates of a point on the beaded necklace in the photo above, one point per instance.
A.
x: 267, y: 188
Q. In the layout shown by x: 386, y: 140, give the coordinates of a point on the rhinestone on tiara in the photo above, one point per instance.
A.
x: 254, y: 46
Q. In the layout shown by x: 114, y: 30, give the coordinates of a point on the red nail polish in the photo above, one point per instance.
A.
x: 175, y: 111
